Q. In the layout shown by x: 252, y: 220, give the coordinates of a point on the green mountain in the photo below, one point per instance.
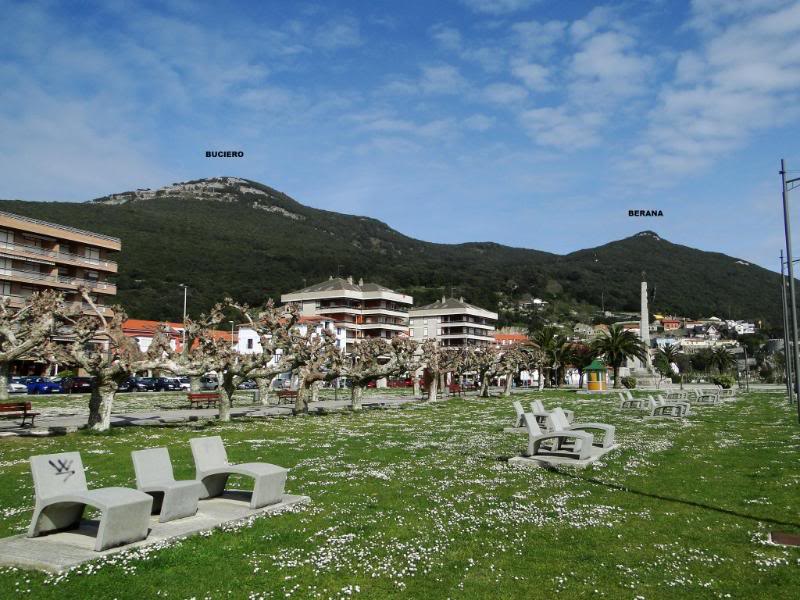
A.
x: 231, y: 236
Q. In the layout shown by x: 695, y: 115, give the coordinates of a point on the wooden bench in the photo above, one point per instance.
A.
x: 284, y: 395
x: 12, y: 410
x: 206, y: 398
x: 455, y: 389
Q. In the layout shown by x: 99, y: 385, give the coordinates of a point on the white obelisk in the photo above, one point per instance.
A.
x: 644, y: 325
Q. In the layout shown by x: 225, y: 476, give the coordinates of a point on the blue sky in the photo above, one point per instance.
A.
x: 524, y: 122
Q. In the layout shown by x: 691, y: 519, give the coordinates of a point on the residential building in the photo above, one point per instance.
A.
x: 453, y: 322
x: 143, y: 332
x: 670, y: 324
x: 358, y: 311
x: 505, y: 339
x: 36, y: 255
x: 248, y: 341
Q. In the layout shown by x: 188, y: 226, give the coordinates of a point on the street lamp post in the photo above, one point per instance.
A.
x: 232, y: 341
x: 788, y: 185
x: 183, y: 331
x: 788, y: 351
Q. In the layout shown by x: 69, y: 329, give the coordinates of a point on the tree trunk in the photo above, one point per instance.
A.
x: 433, y: 387
x: 226, y: 390
x: 194, y: 384
x: 484, y: 393
x: 541, y: 380
x: 301, y: 404
x: 315, y: 391
x: 509, y: 381
x: 443, y: 383
x: 100, y: 403
x: 415, y: 377
x: 264, y: 387
x: 5, y: 369
x: 617, y: 383
x: 356, y: 395
x: 580, y: 380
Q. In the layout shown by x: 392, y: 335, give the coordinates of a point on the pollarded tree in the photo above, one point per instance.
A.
x: 438, y: 361
x: 314, y: 358
x: 510, y: 363
x: 617, y: 346
x: 374, y: 359
x: 485, y: 361
x: 273, y: 325
x: 100, y: 347
x: 24, y: 332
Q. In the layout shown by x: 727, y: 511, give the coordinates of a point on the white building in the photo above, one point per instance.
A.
x: 248, y: 341
x: 452, y: 322
x: 357, y: 311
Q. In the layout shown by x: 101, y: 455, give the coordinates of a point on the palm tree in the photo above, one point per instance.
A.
x: 665, y: 357
x: 581, y: 356
x: 545, y: 340
x: 617, y: 346
x: 722, y: 359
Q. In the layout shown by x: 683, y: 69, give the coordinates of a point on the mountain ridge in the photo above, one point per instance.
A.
x: 235, y: 236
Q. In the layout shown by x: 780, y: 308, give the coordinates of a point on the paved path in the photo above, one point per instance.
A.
x: 62, y: 423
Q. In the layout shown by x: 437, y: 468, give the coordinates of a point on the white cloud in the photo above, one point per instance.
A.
x: 537, y: 39
x: 499, y: 7
x: 743, y: 78
x: 479, y: 122
x: 338, y: 33
x: 504, y: 93
x: 441, y: 79
x: 535, y: 76
x: 558, y: 128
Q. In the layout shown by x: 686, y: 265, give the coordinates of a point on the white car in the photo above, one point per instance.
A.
x: 15, y: 386
x: 185, y: 384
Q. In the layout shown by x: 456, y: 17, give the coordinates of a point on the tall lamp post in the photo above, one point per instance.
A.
x: 183, y: 331
x: 787, y: 186
x: 232, y: 342
x: 788, y: 351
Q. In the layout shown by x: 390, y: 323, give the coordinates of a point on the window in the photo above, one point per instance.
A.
x: 93, y: 275
x: 425, y: 321
x: 6, y: 288
x: 93, y: 253
x: 411, y: 333
x: 439, y: 331
x: 250, y: 344
x: 425, y: 332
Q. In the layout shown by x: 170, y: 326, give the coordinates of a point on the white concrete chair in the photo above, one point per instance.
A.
x: 537, y: 408
x: 661, y: 408
x: 559, y: 422
x: 519, y: 420
x: 171, y: 499
x: 213, y: 469
x: 575, y: 444
x: 628, y: 401
x: 62, y: 495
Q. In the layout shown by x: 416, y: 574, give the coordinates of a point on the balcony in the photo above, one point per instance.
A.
x: 60, y: 281
x: 72, y: 307
x: 60, y: 257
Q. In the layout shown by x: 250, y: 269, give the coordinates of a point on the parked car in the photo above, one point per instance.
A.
x: 126, y: 386
x: 144, y: 384
x: 17, y: 386
x: 77, y: 385
x: 43, y: 385
x: 167, y: 384
x: 209, y: 383
x: 247, y: 384
x: 186, y: 384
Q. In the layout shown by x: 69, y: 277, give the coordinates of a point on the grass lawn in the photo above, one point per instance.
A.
x: 420, y: 502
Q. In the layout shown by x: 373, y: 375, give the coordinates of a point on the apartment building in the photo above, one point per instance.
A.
x: 357, y: 310
x: 36, y: 255
x: 453, y: 322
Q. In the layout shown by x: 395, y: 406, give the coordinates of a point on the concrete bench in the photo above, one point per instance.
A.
x: 62, y: 495
x: 171, y: 499
x: 14, y: 410
x: 213, y: 469
x: 626, y: 400
x: 575, y: 444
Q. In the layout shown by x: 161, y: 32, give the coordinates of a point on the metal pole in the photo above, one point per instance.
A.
x: 787, y: 350
x: 792, y: 296
x: 183, y: 331
x: 746, y: 372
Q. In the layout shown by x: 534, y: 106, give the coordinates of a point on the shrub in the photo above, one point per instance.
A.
x: 628, y: 382
x: 67, y: 373
x: 726, y: 381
